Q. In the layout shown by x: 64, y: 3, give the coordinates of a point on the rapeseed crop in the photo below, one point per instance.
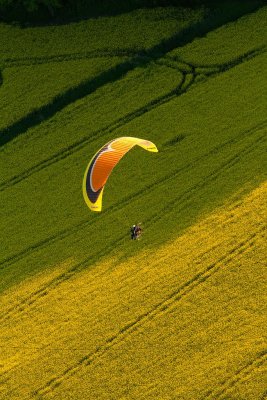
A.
x: 188, y: 301
x: 86, y: 312
x: 27, y: 88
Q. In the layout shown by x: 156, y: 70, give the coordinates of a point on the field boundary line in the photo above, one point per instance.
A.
x: 160, y: 308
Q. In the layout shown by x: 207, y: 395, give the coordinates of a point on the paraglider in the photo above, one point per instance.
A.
x: 102, y: 164
x: 136, y: 231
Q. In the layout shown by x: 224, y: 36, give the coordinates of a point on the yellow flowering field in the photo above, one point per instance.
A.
x: 185, y: 322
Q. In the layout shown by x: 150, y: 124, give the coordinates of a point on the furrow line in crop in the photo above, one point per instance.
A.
x: 187, y: 195
x: 79, y: 145
x: 222, y: 67
x: 172, y: 63
x: 264, y: 396
x: 124, y: 202
x: 114, y: 74
x: 222, y: 389
x: 44, y: 290
x: 159, y: 261
x: 89, y: 261
x: 189, y: 82
x: 28, y: 61
x: 142, y: 319
x: 182, y: 199
x: 210, y: 69
x: 5, y: 375
x: 186, y: 72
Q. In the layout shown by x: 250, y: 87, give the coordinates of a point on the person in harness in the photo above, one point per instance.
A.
x: 132, y: 232
x: 136, y: 231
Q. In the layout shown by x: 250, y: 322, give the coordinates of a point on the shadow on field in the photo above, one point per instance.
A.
x: 75, y: 11
x: 207, y: 70
x: 190, y: 74
x: 181, y: 201
x: 173, y: 212
x: 211, y: 21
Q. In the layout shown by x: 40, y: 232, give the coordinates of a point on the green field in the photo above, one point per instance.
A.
x: 85, y: 312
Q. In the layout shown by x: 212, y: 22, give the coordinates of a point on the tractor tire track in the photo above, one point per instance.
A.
x: 29, y: 61
x: 209, y: 70
x: 264, y: 396
x: 185, y: 197
x: 188, y: 81
x: 161, y: 308
x: 111, y: 75
x: 124, y: 202
x: 198, y: 261
x: 7, y: 373
x: 45, y: 289
x: 176, y: 63
x: 16, y: 309
x: 219, y: 392
x: 223, y: 67
x: 79, y: 145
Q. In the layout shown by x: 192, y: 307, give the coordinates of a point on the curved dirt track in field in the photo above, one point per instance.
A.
x: 183, y: 86
x: 16, y: 309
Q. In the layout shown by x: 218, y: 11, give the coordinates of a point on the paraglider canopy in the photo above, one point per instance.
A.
x: 103, y: 162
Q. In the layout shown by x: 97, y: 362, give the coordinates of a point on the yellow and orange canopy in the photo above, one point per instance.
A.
x: 101, y: 165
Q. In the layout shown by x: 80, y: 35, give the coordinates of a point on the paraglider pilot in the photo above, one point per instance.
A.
x: 136, y: 231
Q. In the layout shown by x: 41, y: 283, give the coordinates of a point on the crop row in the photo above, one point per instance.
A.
x: 175, y: 275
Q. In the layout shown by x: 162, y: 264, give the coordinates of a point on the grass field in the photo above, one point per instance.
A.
x: 85, y: 312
